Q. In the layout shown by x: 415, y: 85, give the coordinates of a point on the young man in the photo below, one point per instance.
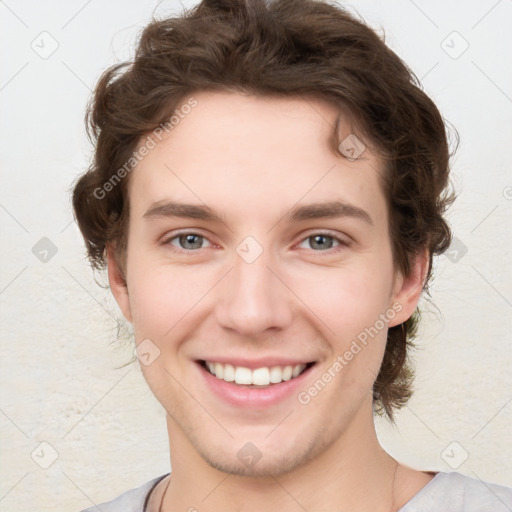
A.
x: 268, y: 193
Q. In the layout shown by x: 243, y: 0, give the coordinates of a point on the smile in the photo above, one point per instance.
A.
x: 264, y: 376
x: 254, y: 388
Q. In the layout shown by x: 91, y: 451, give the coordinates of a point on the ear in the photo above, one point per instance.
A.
x: 117, y: 284
x: 407, y: 290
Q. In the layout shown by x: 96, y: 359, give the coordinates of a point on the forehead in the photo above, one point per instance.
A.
x: 263, y: 153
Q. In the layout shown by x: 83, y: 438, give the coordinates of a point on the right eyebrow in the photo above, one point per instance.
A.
x: 162, y: 209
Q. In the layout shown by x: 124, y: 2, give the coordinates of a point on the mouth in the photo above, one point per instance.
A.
x: 257, y: 378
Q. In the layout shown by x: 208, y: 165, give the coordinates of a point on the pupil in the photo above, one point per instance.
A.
x: 191, y: 241
x: 321, y: 242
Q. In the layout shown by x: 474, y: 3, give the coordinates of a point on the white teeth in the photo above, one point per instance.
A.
x: 243, y: 375
x: 260, y: 376
x: 229, y: 373
x: 219, y: 370
x: 276, y: 374
x: 296, y: 371
x: 287, y: 373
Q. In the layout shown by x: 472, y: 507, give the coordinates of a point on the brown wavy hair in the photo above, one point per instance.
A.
x: 305, y: 48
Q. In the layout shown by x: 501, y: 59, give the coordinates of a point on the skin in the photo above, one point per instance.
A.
x: 251, y: 160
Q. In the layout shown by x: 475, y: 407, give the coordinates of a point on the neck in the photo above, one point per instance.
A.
x: 351, y: 474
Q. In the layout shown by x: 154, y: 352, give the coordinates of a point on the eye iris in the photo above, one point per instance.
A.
x: 191, y: 241
x: 321, y: 242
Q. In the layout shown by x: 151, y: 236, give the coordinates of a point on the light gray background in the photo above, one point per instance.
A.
x: 59, y: 383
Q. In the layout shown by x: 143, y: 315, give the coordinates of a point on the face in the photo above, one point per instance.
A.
x: 257, y: 253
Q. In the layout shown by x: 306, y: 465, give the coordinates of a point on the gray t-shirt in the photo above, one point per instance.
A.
x: 446, y: 492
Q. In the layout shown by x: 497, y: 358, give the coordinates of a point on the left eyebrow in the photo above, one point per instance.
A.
x: 329, y: 210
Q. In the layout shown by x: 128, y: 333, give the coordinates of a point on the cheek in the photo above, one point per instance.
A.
x: 346, y: 300
x: 164, y: 298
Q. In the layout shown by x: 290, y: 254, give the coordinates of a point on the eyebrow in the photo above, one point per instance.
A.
x: 183, y: 210
x: 329, y: 210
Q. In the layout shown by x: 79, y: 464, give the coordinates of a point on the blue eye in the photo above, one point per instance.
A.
x: 192, y: 241
x: 320, y: 242
x: 188, y: 241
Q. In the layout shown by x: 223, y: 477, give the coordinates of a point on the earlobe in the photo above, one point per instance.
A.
x: 408, y: 289
x: 118, y: 284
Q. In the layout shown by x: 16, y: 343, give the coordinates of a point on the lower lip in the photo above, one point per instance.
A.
x: 250, y: 398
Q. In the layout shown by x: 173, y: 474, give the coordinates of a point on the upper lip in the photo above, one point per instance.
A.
x: 257, y: 363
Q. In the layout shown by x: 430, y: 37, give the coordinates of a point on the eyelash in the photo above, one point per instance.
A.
x: 341, y: 242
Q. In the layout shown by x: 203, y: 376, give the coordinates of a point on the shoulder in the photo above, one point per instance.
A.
x: 455, y: 492
x: 133, y: 500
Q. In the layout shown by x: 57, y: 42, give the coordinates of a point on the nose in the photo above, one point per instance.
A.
x: 252, y: 301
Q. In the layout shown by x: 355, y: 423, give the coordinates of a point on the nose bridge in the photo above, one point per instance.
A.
x: 252, y: 300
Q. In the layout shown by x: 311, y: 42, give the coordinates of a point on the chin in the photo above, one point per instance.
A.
x: 263, y: 459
